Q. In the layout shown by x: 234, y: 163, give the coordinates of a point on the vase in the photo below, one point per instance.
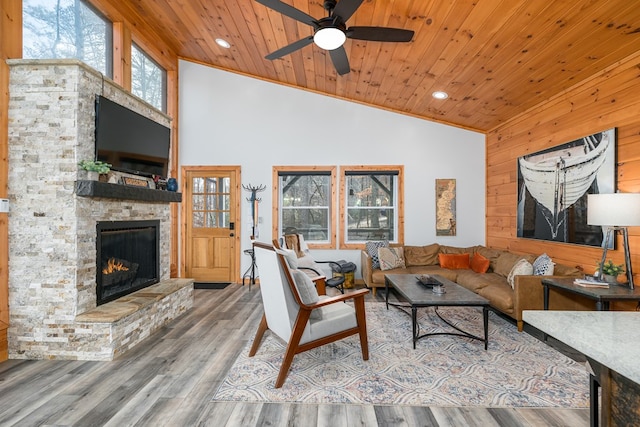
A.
x: 172, y: 184
x: 609, y: 278
x: 88, y: 175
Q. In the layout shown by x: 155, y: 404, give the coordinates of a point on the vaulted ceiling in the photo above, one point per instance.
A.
x: 495, y: 58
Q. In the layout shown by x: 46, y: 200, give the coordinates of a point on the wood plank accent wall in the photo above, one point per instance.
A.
x: 10, y: 47
x: 609, y: 99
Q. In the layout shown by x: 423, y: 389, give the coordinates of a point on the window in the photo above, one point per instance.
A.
x: 211, y: 203
x: 148, y: 79
x: 305, y: 203
x: 371, y: 204
x: 67, y: 29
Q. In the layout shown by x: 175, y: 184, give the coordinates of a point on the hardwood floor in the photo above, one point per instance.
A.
x: 169, y: 379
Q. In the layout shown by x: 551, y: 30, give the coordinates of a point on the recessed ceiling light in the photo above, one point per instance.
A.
x: 440, y: 95
x: 222, y: 42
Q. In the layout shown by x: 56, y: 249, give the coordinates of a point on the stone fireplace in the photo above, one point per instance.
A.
x: 54, y: 218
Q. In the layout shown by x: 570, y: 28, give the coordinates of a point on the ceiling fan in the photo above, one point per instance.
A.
x: 331, y: 32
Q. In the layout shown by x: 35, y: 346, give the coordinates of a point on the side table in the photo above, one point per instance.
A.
x: 601, y: 296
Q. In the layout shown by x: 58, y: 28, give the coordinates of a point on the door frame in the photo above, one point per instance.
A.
x: 237, y: 194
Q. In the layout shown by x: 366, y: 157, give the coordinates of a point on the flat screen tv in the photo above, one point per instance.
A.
x: 129, y: 141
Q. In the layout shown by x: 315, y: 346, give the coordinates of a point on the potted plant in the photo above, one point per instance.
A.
x: 610, y: 271
x: 95, y: 168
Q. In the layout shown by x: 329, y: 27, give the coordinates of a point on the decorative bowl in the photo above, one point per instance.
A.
x: 427, y: 280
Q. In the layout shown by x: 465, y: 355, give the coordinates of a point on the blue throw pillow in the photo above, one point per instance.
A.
x: 372, y: 250
x: 543, y: 266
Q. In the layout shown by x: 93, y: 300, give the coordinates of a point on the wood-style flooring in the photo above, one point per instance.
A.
x: 169, y: 379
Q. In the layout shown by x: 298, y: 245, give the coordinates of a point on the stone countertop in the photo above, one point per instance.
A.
x: 611, y: 338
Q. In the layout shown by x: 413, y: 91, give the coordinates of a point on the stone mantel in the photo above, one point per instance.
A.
x: 88, y: 188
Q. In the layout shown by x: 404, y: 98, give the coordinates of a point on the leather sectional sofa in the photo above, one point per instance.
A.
x: 526, y: 294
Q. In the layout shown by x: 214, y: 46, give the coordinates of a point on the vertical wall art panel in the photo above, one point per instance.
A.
x: 553, y: 185
x: 445, y: 207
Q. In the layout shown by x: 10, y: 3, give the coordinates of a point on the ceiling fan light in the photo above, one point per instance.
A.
x: 329, y: 38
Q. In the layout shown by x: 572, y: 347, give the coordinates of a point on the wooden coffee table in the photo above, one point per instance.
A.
x: 417, y: 295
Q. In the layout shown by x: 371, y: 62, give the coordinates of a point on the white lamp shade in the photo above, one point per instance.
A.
x: 329, y: 38
x: 613, y: 210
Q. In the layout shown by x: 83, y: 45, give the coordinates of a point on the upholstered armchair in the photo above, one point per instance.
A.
x: 295, y: 312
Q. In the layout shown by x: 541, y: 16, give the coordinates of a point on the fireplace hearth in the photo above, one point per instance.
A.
x: 127, y: 257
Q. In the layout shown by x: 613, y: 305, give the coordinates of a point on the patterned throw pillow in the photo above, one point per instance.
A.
x: 520, y: 268
x: 372, y: 250
x: 391, y: 258
x: 543, y: 266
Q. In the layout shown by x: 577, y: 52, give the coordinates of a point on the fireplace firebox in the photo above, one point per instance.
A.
x: 128, y: 254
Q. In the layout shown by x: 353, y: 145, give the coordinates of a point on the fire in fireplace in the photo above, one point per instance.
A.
x: 127, y: 257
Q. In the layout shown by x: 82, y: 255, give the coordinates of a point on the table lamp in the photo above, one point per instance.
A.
x: 615, y: 212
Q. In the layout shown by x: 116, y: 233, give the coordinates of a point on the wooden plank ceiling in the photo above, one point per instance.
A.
x: 495, y: 58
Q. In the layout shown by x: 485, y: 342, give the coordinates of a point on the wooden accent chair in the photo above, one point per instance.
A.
x: 291, y: 314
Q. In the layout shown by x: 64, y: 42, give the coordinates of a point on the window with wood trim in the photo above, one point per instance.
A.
x: 67, y: 29
x: 148, y: 79
x: 371, y: 205
x: 305, y: 203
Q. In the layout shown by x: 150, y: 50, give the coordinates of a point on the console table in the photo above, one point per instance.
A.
x: 609, y: 339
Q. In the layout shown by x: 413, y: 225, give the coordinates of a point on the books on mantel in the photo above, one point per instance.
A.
x: 591, y: 282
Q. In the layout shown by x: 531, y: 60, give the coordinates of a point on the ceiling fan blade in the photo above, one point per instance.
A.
x: 290, y: 48
x: 380, y: 34
x: 340, y: 60
x: 289, y: 11
x: 345, y: 8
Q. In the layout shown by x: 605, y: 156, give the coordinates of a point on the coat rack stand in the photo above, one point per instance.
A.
x: 251, y: 272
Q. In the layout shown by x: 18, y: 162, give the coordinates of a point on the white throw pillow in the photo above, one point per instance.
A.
x: 290, y: 256
x: 307, y: 290
x: 543, y: 266
x: 520, y: 268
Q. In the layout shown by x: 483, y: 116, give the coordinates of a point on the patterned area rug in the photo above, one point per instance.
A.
x: 516, y: 371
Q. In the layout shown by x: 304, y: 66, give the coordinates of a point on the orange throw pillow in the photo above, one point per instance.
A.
x: 479, y: 264
x: 454, y: 261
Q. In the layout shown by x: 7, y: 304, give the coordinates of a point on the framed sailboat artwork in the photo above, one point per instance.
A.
x: 553, y: 185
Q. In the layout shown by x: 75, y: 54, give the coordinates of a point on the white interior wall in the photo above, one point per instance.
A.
x: 230, y: 119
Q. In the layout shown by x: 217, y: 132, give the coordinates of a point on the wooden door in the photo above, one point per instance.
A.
x: 211, y: 212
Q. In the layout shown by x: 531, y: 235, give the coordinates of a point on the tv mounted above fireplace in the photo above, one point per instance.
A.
x: 129, y: 141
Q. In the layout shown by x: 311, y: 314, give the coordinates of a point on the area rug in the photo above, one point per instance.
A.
x: 517, y: 370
